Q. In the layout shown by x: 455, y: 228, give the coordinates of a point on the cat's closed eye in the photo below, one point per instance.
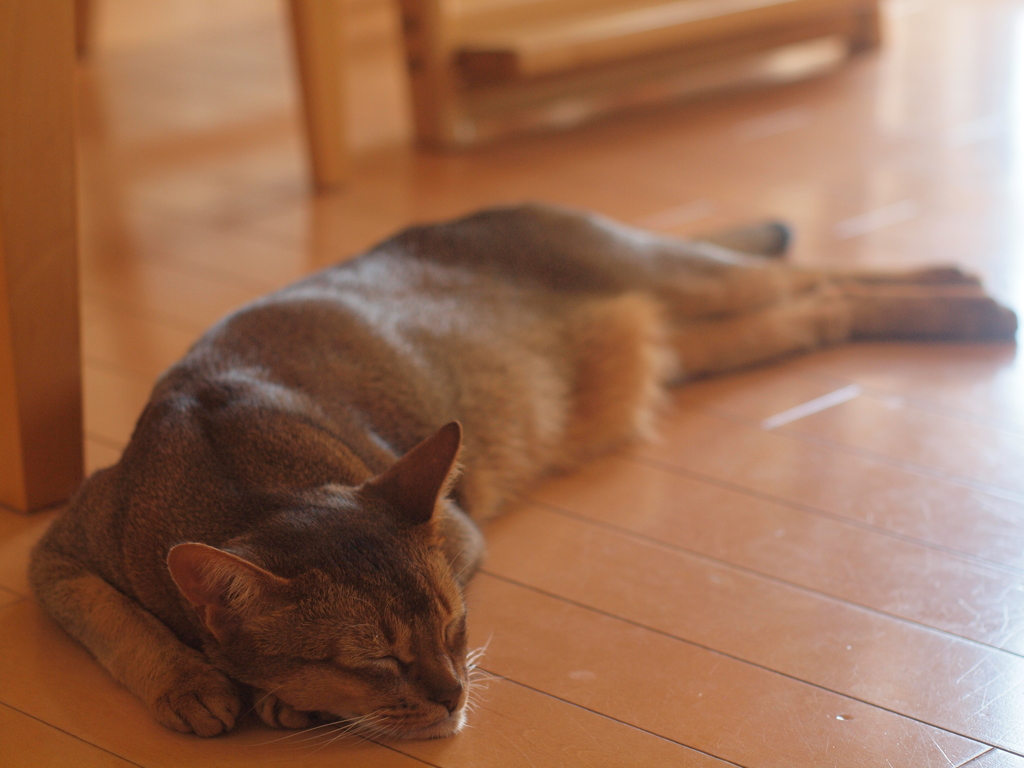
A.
x: 390, y: 663
x: 380, y: 668
x: 455, y: 634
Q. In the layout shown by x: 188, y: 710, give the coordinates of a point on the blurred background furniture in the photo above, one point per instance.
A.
x: 41, y: 431
x: 484, y: 68
x: 318, y: 36
x: 479, y: 69
x: 318, y: 33
x: 40, y: 364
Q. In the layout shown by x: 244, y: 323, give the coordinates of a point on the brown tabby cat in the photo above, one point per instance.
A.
x: 261, y: 532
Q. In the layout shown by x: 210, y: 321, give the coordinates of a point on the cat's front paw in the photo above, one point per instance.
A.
x: 278, y: 714
x: 201, y: 701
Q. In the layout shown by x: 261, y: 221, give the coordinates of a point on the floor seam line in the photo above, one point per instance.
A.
x: 72, y: 735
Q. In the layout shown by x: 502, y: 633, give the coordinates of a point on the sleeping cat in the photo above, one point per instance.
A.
x: 295, y: 516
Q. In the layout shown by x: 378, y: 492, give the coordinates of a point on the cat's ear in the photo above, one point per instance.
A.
x: 413, y: 484
x: 223, y: 588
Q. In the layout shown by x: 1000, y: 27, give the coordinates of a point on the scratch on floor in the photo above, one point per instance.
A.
x: 816, y: 405
x: 880, y: 218
x: 941, y: 750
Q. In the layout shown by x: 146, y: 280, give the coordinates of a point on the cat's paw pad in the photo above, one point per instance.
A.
x: 202, y: 701
x: 277, y: 714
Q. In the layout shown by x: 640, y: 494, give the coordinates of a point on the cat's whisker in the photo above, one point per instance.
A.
x: 477, y: 675
x: 477, y: 653
x: 329, y: 737
x: 310, y: 736
x: 325, y: 739
x: 371, y: 731
x: 311, y: 741
x: 294, y: 734
x: 459, y: 553
x: 474, y: 672
x: 388, y: 733
x: 256, y: 701
x: 343, y: 728
x: 354, y: 727
x: 463, y: 569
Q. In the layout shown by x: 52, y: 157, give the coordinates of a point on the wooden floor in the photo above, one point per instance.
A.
x: 837, y: 585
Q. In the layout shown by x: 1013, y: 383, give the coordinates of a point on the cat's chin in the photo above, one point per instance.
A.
x: 450, y: 726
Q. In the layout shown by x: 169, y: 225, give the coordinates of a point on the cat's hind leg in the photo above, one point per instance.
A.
x: 621, y: 360
x: 944, y: 305
x: 938, y: 311
x: 574, y: 253
x: 181, y: 688
x: 716, y: 345
x: 725, y: 273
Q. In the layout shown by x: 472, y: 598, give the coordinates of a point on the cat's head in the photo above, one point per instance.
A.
x: 344, y: 602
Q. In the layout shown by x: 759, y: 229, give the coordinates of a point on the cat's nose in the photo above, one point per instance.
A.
x: 448, y: 697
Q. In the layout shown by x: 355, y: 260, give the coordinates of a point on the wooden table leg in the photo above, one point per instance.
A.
x: 40, y: 363
x: 318, y: 29
x: 85, y: 13
x: 868, y: 33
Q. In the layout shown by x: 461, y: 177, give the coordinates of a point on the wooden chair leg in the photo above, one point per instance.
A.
x: 318, y: 29
x: 40, y: 364
x: 437, y: 103
x: 85, y: 11
x: 868, y: 33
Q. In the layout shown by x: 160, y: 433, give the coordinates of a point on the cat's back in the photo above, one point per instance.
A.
x: 371, y: 355
x: 328, y: 380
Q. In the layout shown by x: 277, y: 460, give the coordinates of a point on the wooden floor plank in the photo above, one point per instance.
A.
x: 983, y: 380
x: 731, y: 709
x: 225, y: 252
x: 180, y: 295
x: 29, y: 742
x: 982, y: 451
x: 951, y: 446
x: 960, y: 686
x: 114, y: 398
x: 996, y: 759
x: 517, y: 726
x: 7, y: 596
x: 858, y: 564
x: 100, y: 453
x: 787, y: 468
x: 18, y: 534
x: 118, y: 337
